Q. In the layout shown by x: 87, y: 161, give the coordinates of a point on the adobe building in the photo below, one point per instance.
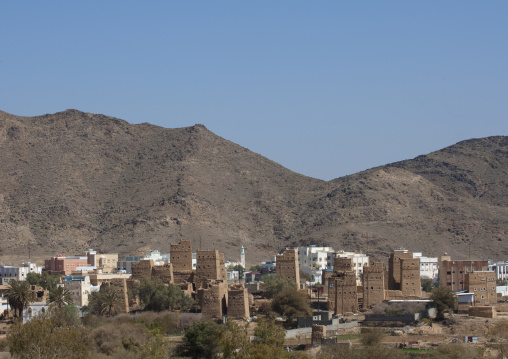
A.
x: 142, y: 270
x: 373, y: 284
x: 181, y: 260
x: 238, y: 302
x: 483, y: 285
x: 164, y: 273
x: 394, y: 267
x: 287, y: 266
x: 342, y: 264
x: 213, y: 299
x: 210, y: 265
x: 410, y: 283
x: 342, y: 293
x: 452, y: 274
x: 181, y: 255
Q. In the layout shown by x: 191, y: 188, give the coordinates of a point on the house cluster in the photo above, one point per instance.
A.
x: 351, y: 282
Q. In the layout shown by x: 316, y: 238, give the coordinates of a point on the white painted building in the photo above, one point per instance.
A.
x: 18, y: 273
x: 360, y: 260
x: 501, y: 269
x: 429, y: 268
x: 316, y: 258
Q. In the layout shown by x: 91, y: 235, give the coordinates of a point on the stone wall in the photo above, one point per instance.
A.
x: 484, y: 312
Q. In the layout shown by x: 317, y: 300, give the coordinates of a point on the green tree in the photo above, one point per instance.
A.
x: 18, y: 295
x: 60, y: 297
x: 201, y: 340
x: 269, y: 340
x: 106, y: 302
x: 444, y: 300
x: 291, y: 303
x: 157, y: 296
x: 240, y: 269
x: 44, y: 280
x: 427, y: 284
x: 41, y: 338
x: 275, y: 284
x: 234, y: 341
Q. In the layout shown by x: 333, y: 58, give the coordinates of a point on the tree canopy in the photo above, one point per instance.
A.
x: 445, y: 300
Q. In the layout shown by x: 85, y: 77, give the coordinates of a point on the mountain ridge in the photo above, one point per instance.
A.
x: 75, y: 180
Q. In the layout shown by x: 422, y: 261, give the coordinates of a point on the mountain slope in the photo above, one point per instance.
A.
x: 74, y: 180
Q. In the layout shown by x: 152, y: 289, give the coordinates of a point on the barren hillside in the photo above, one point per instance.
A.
x: 73, y: 180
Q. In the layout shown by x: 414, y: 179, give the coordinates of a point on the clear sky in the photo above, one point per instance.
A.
x: 325, y: 88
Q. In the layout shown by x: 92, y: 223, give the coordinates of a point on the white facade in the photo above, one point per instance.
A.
x: 501, y: 269
x: 80, y: 289
x: 360, y: 260
x: 18, y: 273
x: 313, y: 257
x: 429, y: 267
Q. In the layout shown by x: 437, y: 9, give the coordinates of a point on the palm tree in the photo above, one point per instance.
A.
x: 60, y: 297
x: 105, y: 302
x: 110, y: 302
x: 18, y: 296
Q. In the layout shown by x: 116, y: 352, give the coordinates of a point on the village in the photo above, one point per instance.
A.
x: 347, y: 293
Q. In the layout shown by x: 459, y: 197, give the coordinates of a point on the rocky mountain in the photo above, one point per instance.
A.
x: 72, y: 180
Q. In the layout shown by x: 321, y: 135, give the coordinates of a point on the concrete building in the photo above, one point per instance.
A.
x: 359, y: 259
x: 80, y: 288
x: 314, y: 257
x: 452, y: 274
x: 154, y: 255
x: 429, y: 268
x: 501, y: 270
x: 65, y: 265
x: 242, y: 257
x: 483, y: 285
x: 287, y: 266
x: 18, y: 273
x: 105, y: 262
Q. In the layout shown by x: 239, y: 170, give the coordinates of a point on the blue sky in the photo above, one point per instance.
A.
x: 324, y: 88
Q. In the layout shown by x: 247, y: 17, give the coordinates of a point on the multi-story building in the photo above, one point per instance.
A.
x: 501, y: 270
x: 359, y: 260
x: 287, y: 266
x: 452, y: 274
x: 65, y: 265
x: 18, y: 273
x: 80, y: 288
x: 312, y: 257
x: 155, y: 256
x: 429, y: 268
x: 105, y: 262
x: 483, y: 285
